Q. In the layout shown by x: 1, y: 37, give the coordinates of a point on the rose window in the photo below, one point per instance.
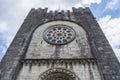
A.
x: 59, y: 34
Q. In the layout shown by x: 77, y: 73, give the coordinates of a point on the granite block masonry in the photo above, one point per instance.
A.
x: 66, y: 45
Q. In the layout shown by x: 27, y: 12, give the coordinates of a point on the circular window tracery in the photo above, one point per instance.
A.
x: 59, y: 34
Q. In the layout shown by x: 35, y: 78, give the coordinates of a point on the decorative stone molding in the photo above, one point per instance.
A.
x: 58, y: 61
x: 57, y: 74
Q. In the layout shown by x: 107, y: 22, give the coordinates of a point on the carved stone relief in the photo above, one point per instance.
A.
x: 57, y: 74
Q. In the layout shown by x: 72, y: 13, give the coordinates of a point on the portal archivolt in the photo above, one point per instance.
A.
x: 57, y: 74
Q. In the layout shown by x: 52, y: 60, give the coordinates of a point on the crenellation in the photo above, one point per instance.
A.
x: 42, y: 10
x: 62, y: 11
x: 78, y: 11
x: 56, y: 12
x: 74, y: 9
x: 62, y: 14
x: 50, y: 15
x: 68, y: 15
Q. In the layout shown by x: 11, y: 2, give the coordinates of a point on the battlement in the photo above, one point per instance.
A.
x: 63, y: 14
x: 74, y: 9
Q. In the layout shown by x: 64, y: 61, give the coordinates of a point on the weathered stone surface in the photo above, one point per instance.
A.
x: 40, y: 49
x: 101, y: 51
x: 84, y: 69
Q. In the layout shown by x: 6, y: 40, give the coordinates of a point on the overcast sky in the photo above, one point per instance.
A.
x: 13, y: 13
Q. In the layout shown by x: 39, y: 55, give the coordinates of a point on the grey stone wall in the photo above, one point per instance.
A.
x: 107, y: 62
x: 41, y: 49
x: 82, y: 69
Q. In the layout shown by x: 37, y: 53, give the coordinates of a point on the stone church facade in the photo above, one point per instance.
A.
x: 60, y: 46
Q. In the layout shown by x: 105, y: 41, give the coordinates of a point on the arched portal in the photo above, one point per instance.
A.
x: 57, y: 74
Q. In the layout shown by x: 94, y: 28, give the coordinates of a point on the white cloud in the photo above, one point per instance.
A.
x: 86, y: 3
x: 52, y: 4
x: 3, y: 26
x: 91, y: 1
x: 113, y: 4
x: 111, y: 28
